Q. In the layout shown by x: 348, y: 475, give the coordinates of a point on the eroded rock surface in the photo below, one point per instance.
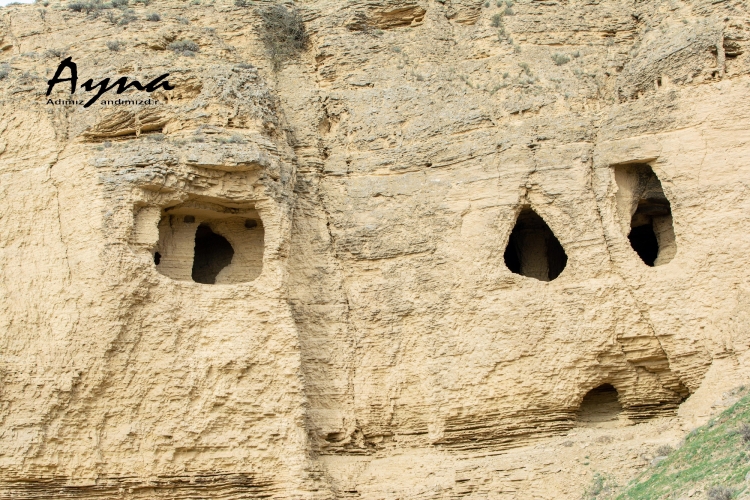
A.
x: 289, y: 279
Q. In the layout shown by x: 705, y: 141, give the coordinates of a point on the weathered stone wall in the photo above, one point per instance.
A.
x: 387, y: 166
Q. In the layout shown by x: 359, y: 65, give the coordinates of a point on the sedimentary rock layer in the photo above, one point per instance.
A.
x: 367, y: 189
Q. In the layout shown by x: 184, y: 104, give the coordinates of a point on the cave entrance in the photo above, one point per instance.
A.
x: 212, y: 254
x: 207, y: 243
x: 644, y: 242
x: 600, y: 406
x: 533, y: 249
x: 646, y: 213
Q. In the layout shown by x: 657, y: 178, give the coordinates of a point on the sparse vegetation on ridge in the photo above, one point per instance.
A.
x: 114, y: 45
x: 720, y: 493
x: 602, y: 486
x: 283, y: 34
x: 559, y: 58
x: 664, y: 450
x: 233, y: 139
x: 714, y: 458
x: 184, y: 47
x: 95, y: 7
x: 55, y: 53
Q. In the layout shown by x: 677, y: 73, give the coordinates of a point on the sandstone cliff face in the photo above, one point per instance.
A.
x: 365, y: 334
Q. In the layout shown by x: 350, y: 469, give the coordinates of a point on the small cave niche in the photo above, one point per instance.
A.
x: 533, y: 249
x: 210, y: 244
x: 600, y: 406
x: 645, y: 214
x: 212, y: 254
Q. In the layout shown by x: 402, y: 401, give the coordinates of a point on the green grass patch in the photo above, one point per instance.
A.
x: 715, y: 454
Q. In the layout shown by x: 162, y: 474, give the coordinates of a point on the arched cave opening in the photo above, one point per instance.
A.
x: 600, y: 405
x: 212, y: 254
x: 533, y: 249
x: 641, y: 196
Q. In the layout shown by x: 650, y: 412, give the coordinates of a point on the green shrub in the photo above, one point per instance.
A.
x: 601, y: 484
x: 89, y: 6
x: 127, y: 18
x: 664, y: 450
x: 28, y: 77
x: 559, y: 58
x: 497, y: 20
x: 4, y: 71
x: 153, y: 16
x: 233, y: 139
x: 744, y: 432
x: 184, y: 47
x: 115, y: 45
x: 720, y: 493
x: 55, y: 53
x: 283, y: 34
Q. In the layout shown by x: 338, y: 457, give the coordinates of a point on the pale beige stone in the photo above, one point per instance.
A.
x: 367, y: 339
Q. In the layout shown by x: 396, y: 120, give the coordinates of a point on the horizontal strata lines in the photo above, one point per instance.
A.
x: 172, y: 487
x: 491, y: 435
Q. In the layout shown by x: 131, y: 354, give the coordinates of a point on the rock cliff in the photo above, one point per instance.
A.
x: 368, y: 249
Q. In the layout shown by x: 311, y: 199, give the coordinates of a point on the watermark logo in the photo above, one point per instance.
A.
x: 121, y: 85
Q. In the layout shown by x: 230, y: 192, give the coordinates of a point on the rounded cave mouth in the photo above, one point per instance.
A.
x: 212, y: 254
x: 533, y: 249
x: 600, y: 406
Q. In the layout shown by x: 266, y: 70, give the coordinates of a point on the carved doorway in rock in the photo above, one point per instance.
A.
x: 212, y: 254
x: 533, y: 250
x: 210, y: 244
x: 645, y: 213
